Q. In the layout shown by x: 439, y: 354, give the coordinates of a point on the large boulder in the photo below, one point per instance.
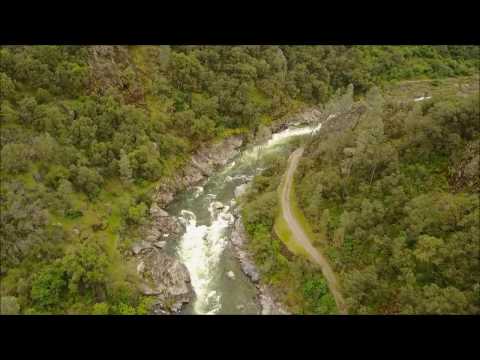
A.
x: 141, y: 246
x: 161, y: 225
x: 203, y: 163
x: 157, y: 211
x: 165, y: 278
x: 268, y: 304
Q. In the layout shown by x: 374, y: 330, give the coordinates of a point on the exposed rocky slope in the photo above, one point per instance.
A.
x: 164, y: 276
x: 202, y: 164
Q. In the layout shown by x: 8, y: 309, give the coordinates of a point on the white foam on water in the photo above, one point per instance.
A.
x: 228, y: 167
x: 421, y: 98
x: 198, y: 191
x: 288, y: 133
x: 201, y: 246
x: 200, y: 250
x: 279, y: 138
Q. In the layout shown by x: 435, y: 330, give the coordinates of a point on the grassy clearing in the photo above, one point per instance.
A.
x: 281, y: 227
x: 284, y: 233
x: 302, y: 220
x: 406, y: 90
x: 108, y: 209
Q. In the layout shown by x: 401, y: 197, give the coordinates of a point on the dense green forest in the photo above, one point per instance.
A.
x: 87, y: 133
x: 390, y: 189
x: 395, y: 200
x: 295, y: 280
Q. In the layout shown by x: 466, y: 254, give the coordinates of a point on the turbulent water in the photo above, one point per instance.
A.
x: 206, y: 212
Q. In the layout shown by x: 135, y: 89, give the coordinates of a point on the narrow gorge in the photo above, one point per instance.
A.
x: 202, y: 233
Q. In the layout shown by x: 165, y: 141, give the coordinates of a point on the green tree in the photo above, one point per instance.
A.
x: 15, y: 158
x: 7, y: 86
x: 8, y: 113
x: 125, y: 309
x: 137, y: 213
x: 28, y: 110
x: 49, y: 286
x: 87, y: 269
x: 9, y: 305
x: 88, y: 180
x: 125, y: 168
x: 71, y: 77
x: 101, y: 309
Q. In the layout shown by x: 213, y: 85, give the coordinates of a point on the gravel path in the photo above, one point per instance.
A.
x: 301, y: 237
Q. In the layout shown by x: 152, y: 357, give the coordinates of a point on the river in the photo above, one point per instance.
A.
x: 206, y: 212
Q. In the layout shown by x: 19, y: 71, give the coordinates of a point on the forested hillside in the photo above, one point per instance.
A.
x: 87, y: 133
x: 395, y: 200
x: 390, y: 189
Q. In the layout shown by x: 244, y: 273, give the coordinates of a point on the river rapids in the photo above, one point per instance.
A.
x: 207, y: 215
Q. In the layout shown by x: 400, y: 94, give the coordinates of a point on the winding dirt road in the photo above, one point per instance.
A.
x: 301, y: 237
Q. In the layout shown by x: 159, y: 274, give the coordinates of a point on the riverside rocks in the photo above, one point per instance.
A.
x: 217, y: 205
x: 137, y: 248
x: 306, y: 117
x: 269, y: 306
x: 203, y: 163
x: 160, y: 244
x: 238, y: 237
x: 166, y: 278
x: 161, y: 223
x: 162, y: 275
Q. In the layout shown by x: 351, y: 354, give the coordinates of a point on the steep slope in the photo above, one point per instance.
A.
x: 395, y: 198
x: 88, y: 133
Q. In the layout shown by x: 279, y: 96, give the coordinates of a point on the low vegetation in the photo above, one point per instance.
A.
x: 397, y: 197
x: 88, y: 132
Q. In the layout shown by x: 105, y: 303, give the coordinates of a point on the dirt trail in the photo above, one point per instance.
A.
x: 301, y: 237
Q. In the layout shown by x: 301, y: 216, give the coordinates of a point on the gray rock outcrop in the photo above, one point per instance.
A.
x: 165, y: 278
x: 203, y: 163
x: 238, y: 238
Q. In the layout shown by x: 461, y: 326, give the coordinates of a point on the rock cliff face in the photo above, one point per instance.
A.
x: 303, y: 117
x: 203, y: 164
x: 163, y: 276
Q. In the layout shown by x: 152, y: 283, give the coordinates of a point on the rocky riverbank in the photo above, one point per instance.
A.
x: 239, y: 241
x: 164, y: 276
x: 203, y: 163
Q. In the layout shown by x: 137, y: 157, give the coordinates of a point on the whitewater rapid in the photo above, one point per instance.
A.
x: 206, y: 213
